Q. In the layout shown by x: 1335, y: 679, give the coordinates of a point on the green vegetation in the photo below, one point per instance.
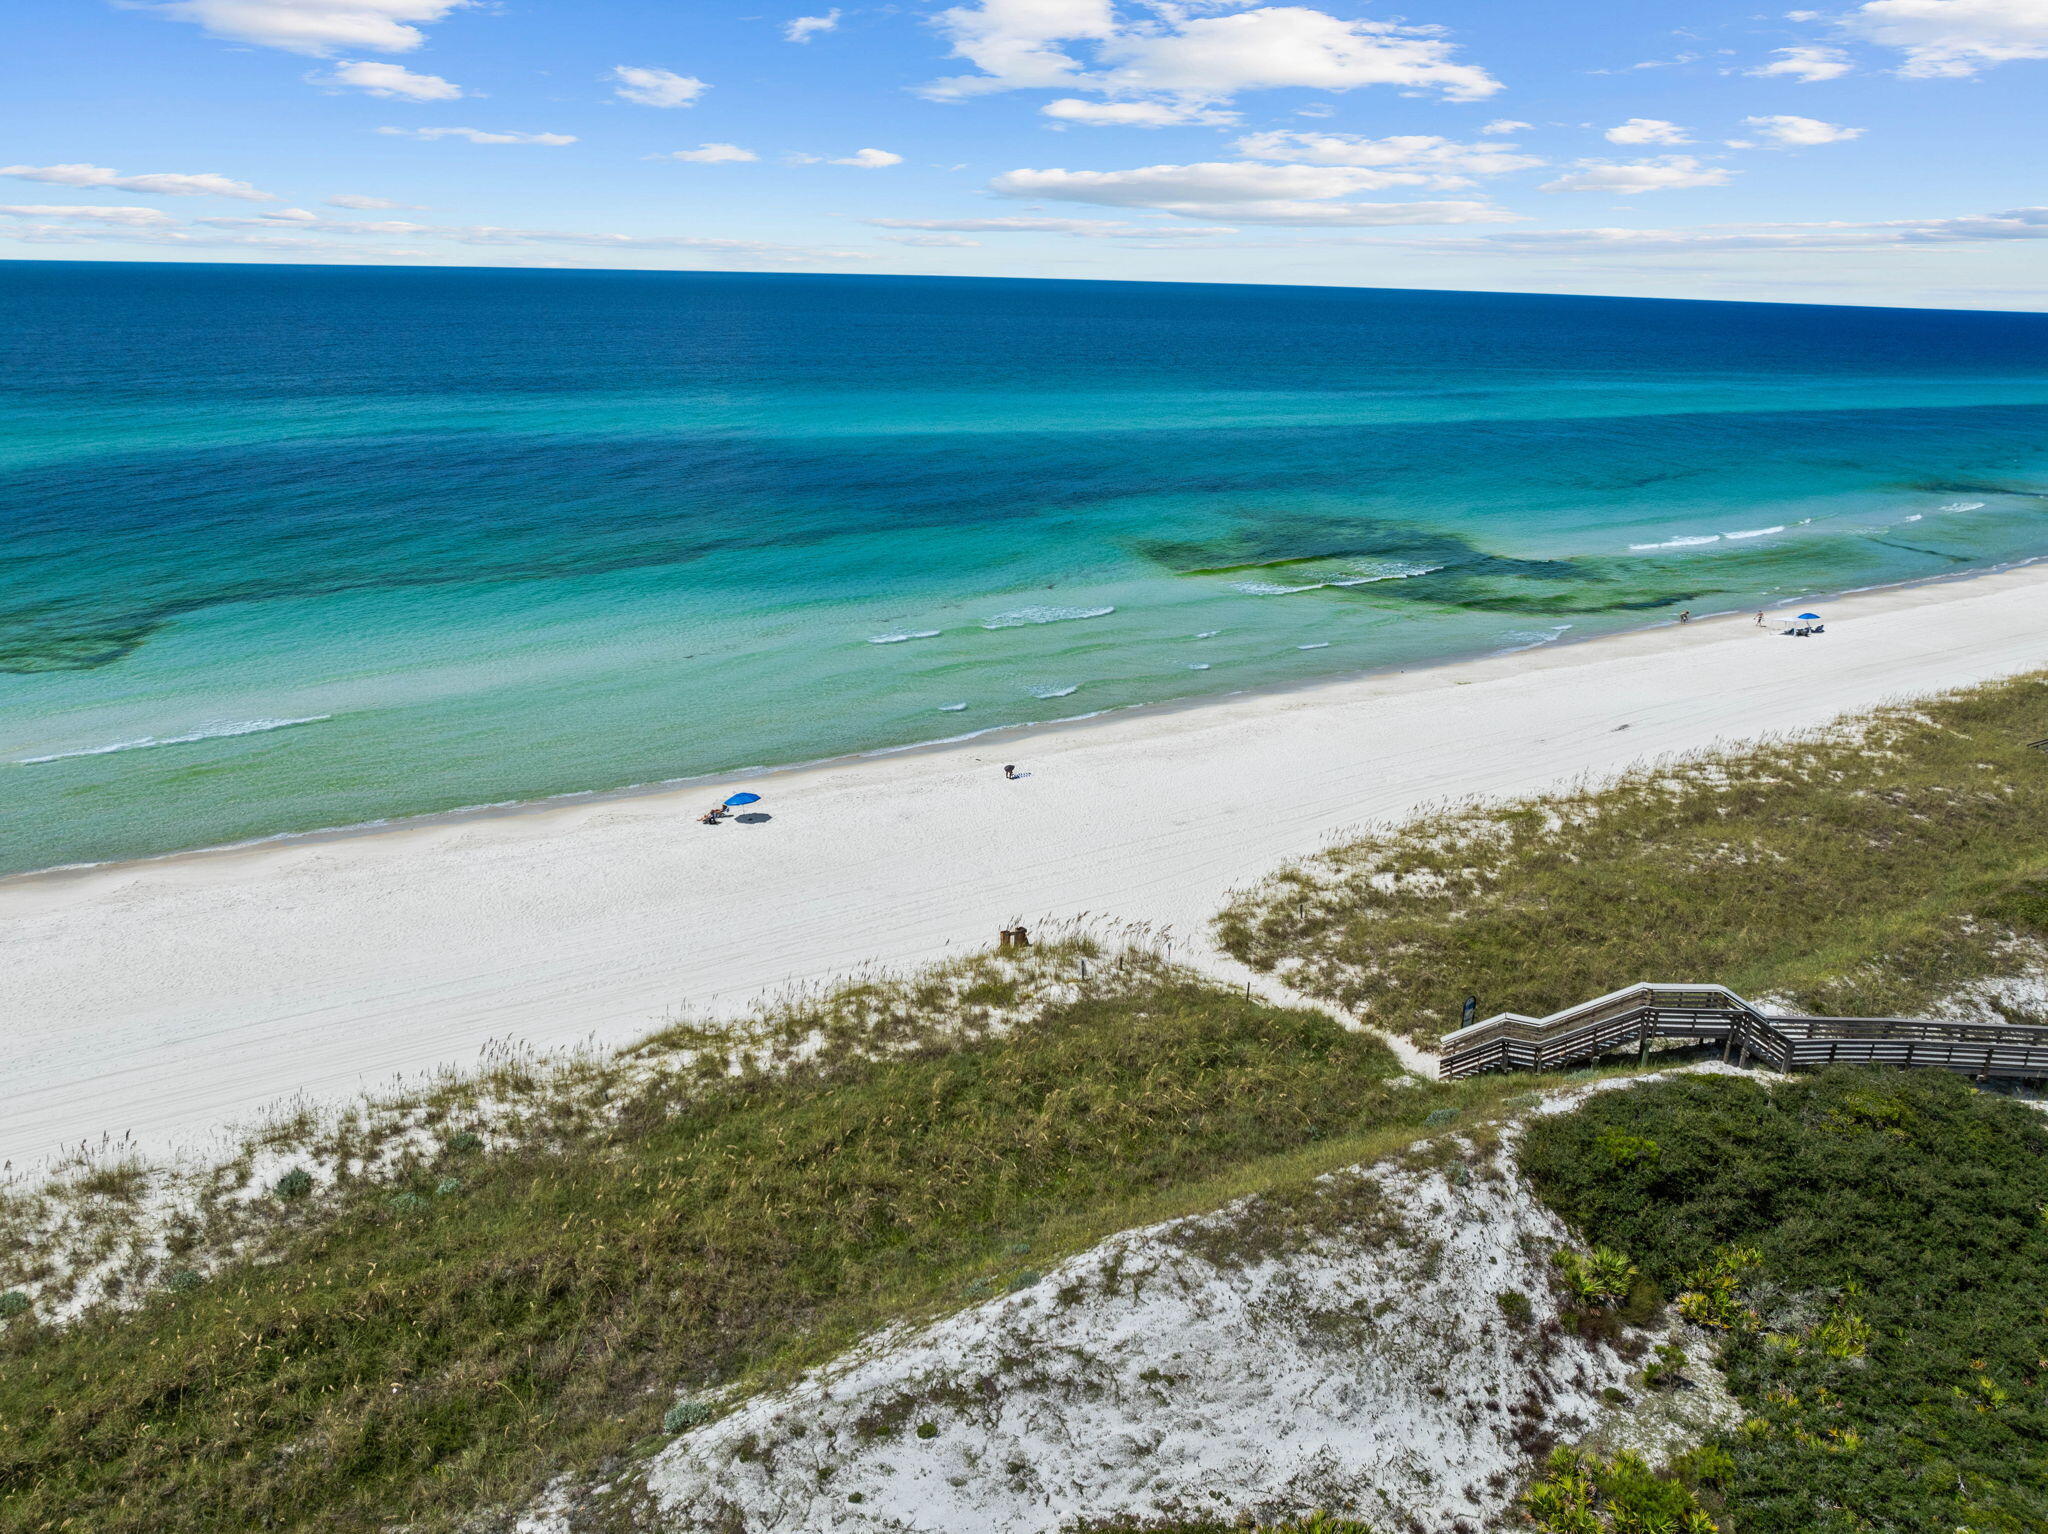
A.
x: 1870, y: 1247
x: 1870, y: 870
x: 1583, y: 1494
x: 582, y: 1276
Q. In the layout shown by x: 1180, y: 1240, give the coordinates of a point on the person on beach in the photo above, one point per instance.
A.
x: 713, y: 816
x: 1009, y: 769
x: 1760, y: 620
x: 1686, y: 616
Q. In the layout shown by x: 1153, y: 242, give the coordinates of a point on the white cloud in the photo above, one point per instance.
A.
x: 390, y: 80
x: 1806, y: 64
x: 206, y: 184
x: 710, y: 154
x: 134, y: 218
x: 479, y: 136
x: 1950, y: 38
x: 318, y: 27
x: 870, y: 159
x: 656, y: 87
x: 1506, y: 125
x: 1423, y: 159
x: 295, y: 238
x: 1790, y: 132
x: 1084, y: 228
x: 1244, y: 192
x: 302, y: 219
x: 1665, y: 173
x: 366, y: 204
x: 1135, y: 114
x: 2013, y: 224
x: 1647, y: 130
x: 947, y: 241
x: 802, y: 28
x: 1024, y: 44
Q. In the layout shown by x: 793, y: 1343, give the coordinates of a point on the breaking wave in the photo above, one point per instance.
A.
x: 1679, y: 543
x: 907, y: 634
x: 1047, y: 690
x: 1028, y: 615
x: 221, y: 731
x: 1391, y: 570
x: 1758, y: 532
x: 1529, y: 639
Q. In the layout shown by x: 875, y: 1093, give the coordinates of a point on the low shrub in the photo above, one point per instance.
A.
x: 295, y: 1184
x: 1868, y: 1247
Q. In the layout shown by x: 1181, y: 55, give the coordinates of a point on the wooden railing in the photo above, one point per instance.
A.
x: 1640, y: 1014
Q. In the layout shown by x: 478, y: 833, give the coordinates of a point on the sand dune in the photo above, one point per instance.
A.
x: 168, y: 998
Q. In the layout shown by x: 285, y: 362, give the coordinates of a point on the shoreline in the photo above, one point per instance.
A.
x: 579, y: 797
x: 166, y: 998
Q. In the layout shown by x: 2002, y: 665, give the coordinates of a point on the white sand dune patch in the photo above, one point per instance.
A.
x: 1346, y: 1354
x: 1147, y: 1378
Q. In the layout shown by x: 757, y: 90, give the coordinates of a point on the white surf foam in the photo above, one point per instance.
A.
x: 899, y: 638
x: 1320, y: 644
x: 1200, y: 665
x: 1028, y: 615
x: 1679, y: 543
x: 1047, y: 690
x: 1208, y: 633
x: 1758, y: 532
x: 221, y: 731
x: 1529, y: 639
x: 1964, y: 506
x: 951, y: 708
x: 1271, y: 589
x: 1916, y: 516
x: 1392, y: 570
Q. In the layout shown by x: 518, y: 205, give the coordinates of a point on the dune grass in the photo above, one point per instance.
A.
x: 507, y: 1306
x: 1869, y: 1246
x: 1878, y: 867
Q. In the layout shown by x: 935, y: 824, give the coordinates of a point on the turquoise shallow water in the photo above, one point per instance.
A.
x: 289, y: 548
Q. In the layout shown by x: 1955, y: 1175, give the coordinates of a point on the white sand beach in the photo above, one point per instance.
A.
x: 167, y: 999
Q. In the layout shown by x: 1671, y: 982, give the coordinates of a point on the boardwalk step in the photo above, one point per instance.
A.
x: 1639, y: 1014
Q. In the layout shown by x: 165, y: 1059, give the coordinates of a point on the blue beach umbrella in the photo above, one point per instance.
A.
x: 743, y: 799
x: 1809, y: 617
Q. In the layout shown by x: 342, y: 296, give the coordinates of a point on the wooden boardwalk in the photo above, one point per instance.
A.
x: 1639, y: 1014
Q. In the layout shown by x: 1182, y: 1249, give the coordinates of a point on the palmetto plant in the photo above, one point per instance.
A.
x: 1599, y: 1277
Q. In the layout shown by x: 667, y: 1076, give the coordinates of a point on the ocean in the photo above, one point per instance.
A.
x: 288, y: 548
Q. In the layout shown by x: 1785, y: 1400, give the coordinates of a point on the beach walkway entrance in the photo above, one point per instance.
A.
x: 1640, y: 1014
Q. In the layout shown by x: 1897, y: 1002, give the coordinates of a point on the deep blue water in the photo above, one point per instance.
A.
x: 313, y: 546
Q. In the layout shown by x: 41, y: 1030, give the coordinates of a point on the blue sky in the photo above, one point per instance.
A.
x: 1888, y: 152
